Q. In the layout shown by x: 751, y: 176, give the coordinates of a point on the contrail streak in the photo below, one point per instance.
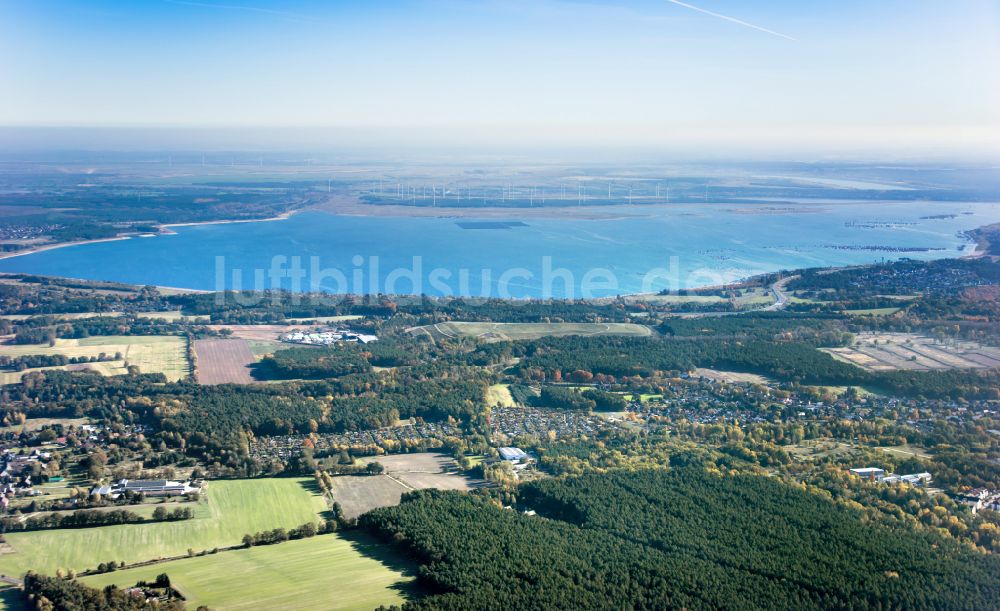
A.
x: 732, y: 19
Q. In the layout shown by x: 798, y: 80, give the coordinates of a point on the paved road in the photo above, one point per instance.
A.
x: 780, y: 297
x: 780, y: 301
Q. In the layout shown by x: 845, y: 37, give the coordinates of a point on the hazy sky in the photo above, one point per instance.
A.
x: 893, y: 73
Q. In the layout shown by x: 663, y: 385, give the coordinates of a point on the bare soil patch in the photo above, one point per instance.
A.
x: 224, y: 361
x: 892, y: 351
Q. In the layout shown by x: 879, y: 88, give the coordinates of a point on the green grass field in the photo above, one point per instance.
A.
x: 234, y: 508
x: 33, y: 424
x: 643, y: 398
x: 168, y: 315
x: 504, y: 331
x: 325, y: 572
x: 872, y: 312
x: 839, y: 390
x: 908, y: 450
x: 151, y: 353
x: 817, y: 449
x: 499, y: 394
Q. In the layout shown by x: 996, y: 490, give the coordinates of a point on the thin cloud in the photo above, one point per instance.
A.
x: 732, y: 19
x: 248, y: 9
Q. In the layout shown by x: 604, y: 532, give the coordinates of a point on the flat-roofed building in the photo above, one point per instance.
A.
x: 872, y: 473
x: 148, y: 487
x: 512, y: 454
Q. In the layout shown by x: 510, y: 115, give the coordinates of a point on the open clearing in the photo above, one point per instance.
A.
x: 169, y: 316
x: 908, y: 451
x: 254, y: 332
x: 499, y: 331
x: 164, y: 354
x: 816, y: 449
x: 224, y: 361
x: 233, y: 509
x: 499, y: 394
x: 891, y: 351
x: 872, y: 312
x: 33, y: 424
x: 730, y: 376
x: 324, y: 572
x: 359, y: 494
x: 749, y: 298
x: 403, y: 473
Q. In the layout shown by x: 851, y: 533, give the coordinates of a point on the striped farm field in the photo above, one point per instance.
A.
x: 222, y: 361
x: 164, y: 354
x: 231, y: 509
x: 324, y: 572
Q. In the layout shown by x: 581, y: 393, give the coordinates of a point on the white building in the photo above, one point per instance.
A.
x: 513, y: 455
x: 872, y: 473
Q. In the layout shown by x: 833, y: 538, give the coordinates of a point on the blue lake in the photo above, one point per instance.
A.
x: 680, y: 246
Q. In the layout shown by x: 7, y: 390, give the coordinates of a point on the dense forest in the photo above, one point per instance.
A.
x: 312, y: 363
x: 685, y: 538
x: 558, y: 397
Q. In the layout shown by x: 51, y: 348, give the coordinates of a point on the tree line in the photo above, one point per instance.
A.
x: 94, y: 518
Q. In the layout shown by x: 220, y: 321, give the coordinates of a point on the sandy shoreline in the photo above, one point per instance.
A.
x: 44, y: 247
x: 280, y: 217
x: 979, y: 237
x: 163, y: 230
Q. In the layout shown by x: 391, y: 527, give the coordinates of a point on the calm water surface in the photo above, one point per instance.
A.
x: 676, y: 247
